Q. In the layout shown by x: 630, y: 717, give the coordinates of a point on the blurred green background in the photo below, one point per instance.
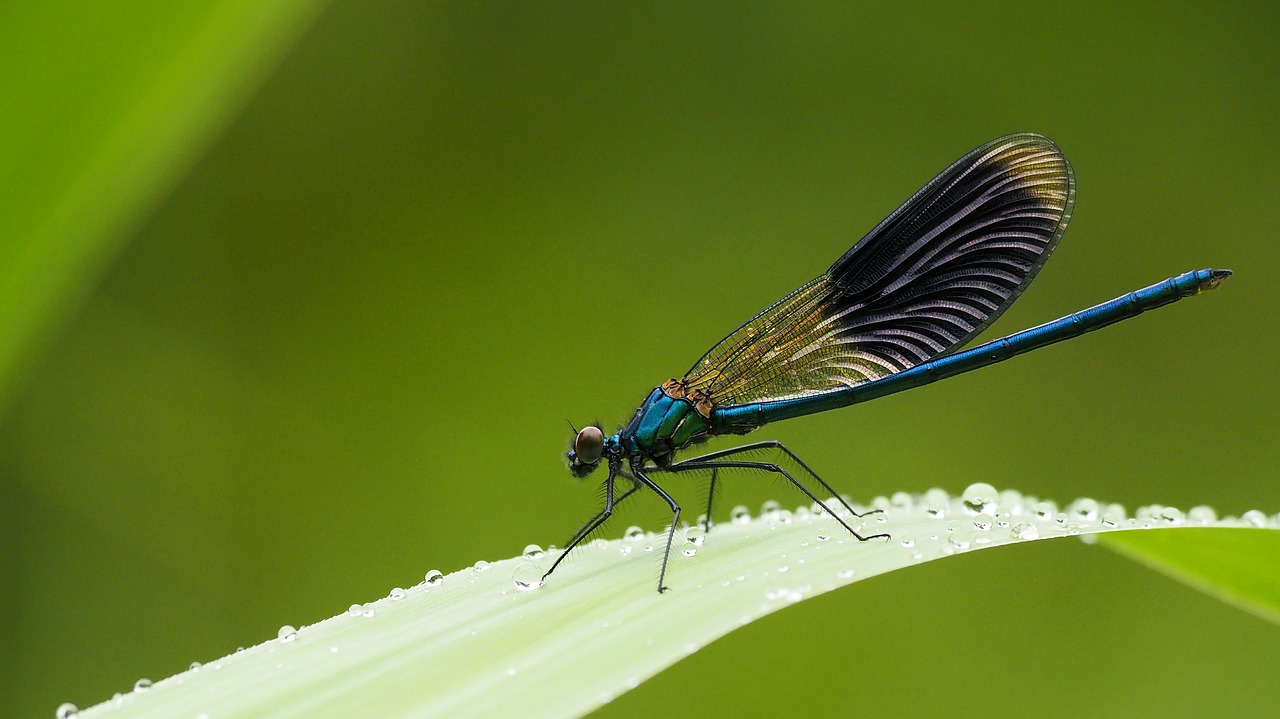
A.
x: 338, y: 347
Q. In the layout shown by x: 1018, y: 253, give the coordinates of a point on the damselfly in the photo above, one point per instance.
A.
x: 891, y: 314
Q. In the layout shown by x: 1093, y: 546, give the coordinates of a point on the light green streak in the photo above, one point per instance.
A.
x: 106, y: 105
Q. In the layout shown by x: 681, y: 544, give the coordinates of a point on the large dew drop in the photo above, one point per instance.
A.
x: 981, y: 498
x: 66, y: 710
x: 527, y: 576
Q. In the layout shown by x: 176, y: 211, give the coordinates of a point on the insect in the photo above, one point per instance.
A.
x: 891, y: 314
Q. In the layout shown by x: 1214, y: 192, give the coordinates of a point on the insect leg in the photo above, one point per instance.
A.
x: 695, y: 464
x: 596, y: 521
x: 675, y: 519
x: 774, y: 444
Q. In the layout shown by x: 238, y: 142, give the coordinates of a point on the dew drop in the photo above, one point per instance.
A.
x: 1085, y: 510
x: 908, y: 541
x: 689, y: 549
x: 903, y: 501
x: 287, y: 633
x: 633, y: 533
x: 1171, y: 515
x: 983, y: 522
x: 1254, y: 518
x: 1024, y: 531
x: 695, y: 535
x: 481, y: 566
x: 740, y: 515
x: 1202, y: 515
x: 980, y: 497
x: 533, y: 551
x: 367, y: 610
x: 782, y: 516
x: 434, y: 578
x: 397, y: 593
x: 1109, y: 519
x: 822, y: 536
x: 935, y: 502
x: 142, y: 685
x: 624, y: 550
x: 844, y: 573
x: 66, y: 710
x: 527, y: 576
x: 960, y: 539
x: 1045, y: 510
x: 768, y: 508
x: 804, y: 542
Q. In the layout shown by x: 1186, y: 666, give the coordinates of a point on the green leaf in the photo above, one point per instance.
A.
x: 477, y: 644
x: 106, y: 105
x: 1238, y: 566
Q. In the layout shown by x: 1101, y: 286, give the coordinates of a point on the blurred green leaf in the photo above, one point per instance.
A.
x: 493, y: 639
x: 1238, y: 566
x: 106, y: 105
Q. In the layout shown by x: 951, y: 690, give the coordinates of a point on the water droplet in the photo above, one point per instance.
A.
x: 533, y: 551
x: 598, y: 543
x: 527, y: 576
x: 624, y: 550
x: 768, y: 508
x: 1085, y: 509
x: 66, y: 710
x: 782, y: 516
x: 908, y: 541
x: 142, y: 685
x: 1202, y: 515
x: 822, y: 536
x: 1109, y: 519
x: 980, y: 497
x: 960, y: 539
x: 1254, y: 518
x: 783, y: 568
x: 481, y: 566
x: 695, y: 535
x: 1171, y: 515
x: 287, y: 633
x: 740, y: 515
x: 1024, y: 531
x: 633, y: 533
x: 397, y: 594
x: 844, y: 573
x: 355, y: 610
x: 935, y: 502
x: 434, y: 578
x: 648, y: 547
x: 1045, y: 510
x: 689, y: 549
x: 983, y: 522
x: 902, y: 500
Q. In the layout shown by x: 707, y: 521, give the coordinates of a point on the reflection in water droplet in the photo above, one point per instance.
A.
x: 907, y: 540
x: 740, y: 515
x: 287, y: 633
x: 1171, y: 515
x: 434, y: 578
x: 689, y: 549
x: 695, y: 535
x: 481, y: 566
x: 397, y: 593
x: 935, y: 502
x: 633, y: 533
x: 527, y: 576
x: 1085, y: 509
x: 1045, y: 510
x: 66, y: 710
x: 769, y: 507
x: 1109, y: 519
x: 533, y: 551
x: 355, y: 610
x: 822, y: 536
x: 983, y: 522
x: 980, y: 497
x: 142, y: 685
x: 1024, y: 531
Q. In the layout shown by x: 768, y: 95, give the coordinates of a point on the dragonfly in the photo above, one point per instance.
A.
x: 893, y: 313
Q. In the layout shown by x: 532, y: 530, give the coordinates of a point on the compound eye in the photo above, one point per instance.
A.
x: 589, y: 445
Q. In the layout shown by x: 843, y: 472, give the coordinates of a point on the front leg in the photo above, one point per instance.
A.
x: 675, y: 519
x: 596, y: 521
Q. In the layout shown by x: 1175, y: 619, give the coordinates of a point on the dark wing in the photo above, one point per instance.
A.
x: 924, y: 282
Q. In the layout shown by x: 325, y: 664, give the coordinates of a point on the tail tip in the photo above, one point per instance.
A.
x: 1216, y: 277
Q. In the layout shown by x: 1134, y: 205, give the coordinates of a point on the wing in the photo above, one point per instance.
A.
x: 924, y: 282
